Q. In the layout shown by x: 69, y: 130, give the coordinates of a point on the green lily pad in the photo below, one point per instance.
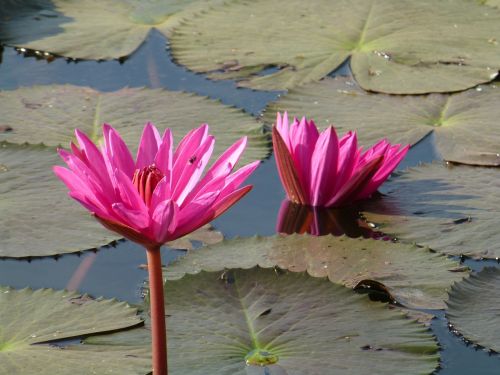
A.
x: 465, y: 124
x: 493, y: 3
x: 206, y: 235
x: 91, y: 29
x: 49, y: 114
x: 394, y: 46
x: 30, y: 319
x: 413, y: 276
x: 288, y: 323
x: 451, y: 209
x: 37, y: 218
x: 474, y: 308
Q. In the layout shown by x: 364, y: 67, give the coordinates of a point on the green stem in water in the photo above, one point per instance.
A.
x: 157, y: 308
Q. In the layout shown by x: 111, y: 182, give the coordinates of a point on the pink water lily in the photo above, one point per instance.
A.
x: 158, y: 197
x: 319, y: 169
x: 161, y: 195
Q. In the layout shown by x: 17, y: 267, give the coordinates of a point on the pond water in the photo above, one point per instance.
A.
x: 114, y: 271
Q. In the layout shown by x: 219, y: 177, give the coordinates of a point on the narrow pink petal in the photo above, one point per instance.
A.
x: 128, y: 192
x: 117, y: 151
x: 347, y: 160
x: 95, y: 161
x: 148, y: 146
x: 187, y: 146
x: 227, y: 160
x: 237, y: 178
x: 164, y: 157
x: 210, y: 212
x: 349, y: 192
x: 283, y: 128
x: 161, y: 193
x: 71, y: 180
x: 388, y: 166
x: 193, y: 215
x: 91, y: 205
x: 376, y: 150
x: 133, y: 218
x: 164, y: 218
x: 304, y: 141
x: 324, y: 167
x: 193, y: 170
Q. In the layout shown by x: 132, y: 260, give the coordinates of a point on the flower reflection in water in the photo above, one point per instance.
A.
x: 319, y: 221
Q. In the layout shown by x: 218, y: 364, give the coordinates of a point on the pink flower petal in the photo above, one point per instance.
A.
x: 193, y: 170
x: 164, y: 220
x: 164, y: 157
x: 117, y: 152
x: 324, y: 167
x: 148, y: 146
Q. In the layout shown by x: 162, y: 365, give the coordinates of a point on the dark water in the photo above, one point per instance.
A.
x: 115, y: 271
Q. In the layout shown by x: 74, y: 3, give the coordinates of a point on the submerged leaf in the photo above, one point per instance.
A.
x: 451, y: 209
x: 91, y: 29
x: 283, y: 323
x: 29, y: 319
x: 413, y: 277
x: 473, y: 308
x: 394, y: 46
x: 465, y: 125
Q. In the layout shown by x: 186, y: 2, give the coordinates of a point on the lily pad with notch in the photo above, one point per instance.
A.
x: 30, y: 320
x: 260, y: 321
x: 91, y: 29
x: 412, y: 276
x: 394, y: 46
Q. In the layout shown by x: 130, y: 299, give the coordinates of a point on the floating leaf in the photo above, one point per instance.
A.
x: 206, y: 235
x: 91, y: 29
x: 49, y: 114
x: 29, y: 319
x: 37, y: 218
x: 414, y: 277
x: 451, y: 209
x: 474, y: 308
x: 394, y: 46
x: 465, y: 124
x: 288, y: 323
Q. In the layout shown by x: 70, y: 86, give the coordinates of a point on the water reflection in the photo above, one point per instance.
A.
x: 319, y: 221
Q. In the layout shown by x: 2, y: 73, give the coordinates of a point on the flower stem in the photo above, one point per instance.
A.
x: 157, y: 308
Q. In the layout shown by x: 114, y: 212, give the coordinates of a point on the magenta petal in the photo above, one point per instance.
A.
x: 193, y: 170
x: 164, y: 157
x: 133, y: 218
x: 283, y: 128
x: 227, y: 161
x: 187, y: 146
x: 117, y: 151
x: 128, y: 193
x: 389, y: 165
x: 304, y: 142
x: 164, y: 218
x: 161, y: 193
x: 237, y: 178
x: 148, y: 146
x: 348, y: 147
x: 324, y: 167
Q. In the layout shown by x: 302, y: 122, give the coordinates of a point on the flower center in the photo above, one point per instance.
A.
x: 145, y: 181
